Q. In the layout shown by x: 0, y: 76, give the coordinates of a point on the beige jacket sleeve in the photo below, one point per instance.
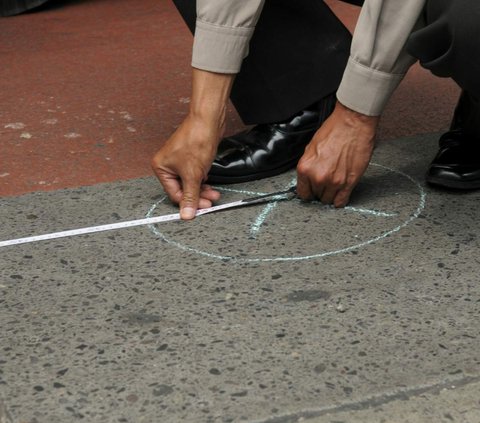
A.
x: 223, y: 32
x: 378, y: 60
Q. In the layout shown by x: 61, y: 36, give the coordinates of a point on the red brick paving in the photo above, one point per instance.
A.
x: 89, y: 90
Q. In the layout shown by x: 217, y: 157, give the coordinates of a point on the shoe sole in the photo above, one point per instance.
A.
x: 219, y: 179
x: 445, y: 183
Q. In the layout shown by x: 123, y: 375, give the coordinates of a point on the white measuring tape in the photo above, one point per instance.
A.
x: 276, y: 196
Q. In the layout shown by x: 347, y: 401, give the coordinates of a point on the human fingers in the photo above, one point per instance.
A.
x: 172, y: 187
x: 342, y: 197
x: 168, y: 179
x: 175, y: 193
x: 209, y: 193
x: 204, y: 203
x: 329, y: 194
x: 304, y: 189
x: 190, y: 196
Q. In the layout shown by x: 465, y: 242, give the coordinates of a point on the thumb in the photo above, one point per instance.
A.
x: 190, y: 198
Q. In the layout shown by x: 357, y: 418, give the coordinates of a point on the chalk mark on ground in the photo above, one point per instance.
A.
x: 261, y: 218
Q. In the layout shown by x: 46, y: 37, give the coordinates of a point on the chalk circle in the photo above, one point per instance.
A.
x: 385, y: 202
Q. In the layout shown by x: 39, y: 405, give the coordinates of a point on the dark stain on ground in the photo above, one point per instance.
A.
x: 312, y: 295
x: 162, y: 390
x: 141, y: 318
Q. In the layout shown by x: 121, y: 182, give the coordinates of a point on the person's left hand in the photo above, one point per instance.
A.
x: 337, y: 157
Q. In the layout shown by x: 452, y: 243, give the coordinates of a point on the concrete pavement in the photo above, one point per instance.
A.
x: 322, y: 315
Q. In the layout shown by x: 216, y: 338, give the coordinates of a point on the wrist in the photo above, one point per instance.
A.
x: 202, y: 132
x: 354, y: 118
x: 206, y: 114
x: 210, y: 92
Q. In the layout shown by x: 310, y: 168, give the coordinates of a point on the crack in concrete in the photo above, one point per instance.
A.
x: 374, y: 401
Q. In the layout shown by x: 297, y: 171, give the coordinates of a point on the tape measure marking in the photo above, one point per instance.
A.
x: 113, y: 226
x: 276, y: 196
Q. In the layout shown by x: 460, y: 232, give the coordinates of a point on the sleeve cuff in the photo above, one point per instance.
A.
x: 220, y: 49
x: 366, y: 90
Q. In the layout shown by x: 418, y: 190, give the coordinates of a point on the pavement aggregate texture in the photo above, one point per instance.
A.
x: 125, y: 326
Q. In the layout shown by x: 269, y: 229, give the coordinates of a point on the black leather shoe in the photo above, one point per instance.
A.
x: 268, y: 149
x: 457, y: 163
x: 14, y: 7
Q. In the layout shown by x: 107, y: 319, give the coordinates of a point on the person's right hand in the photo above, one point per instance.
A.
x: 337, y: 157
x: 182, y: 164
